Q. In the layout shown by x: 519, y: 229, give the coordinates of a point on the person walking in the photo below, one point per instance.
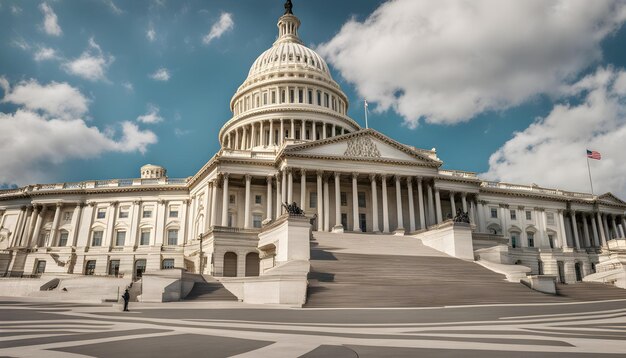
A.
x: 126, y: 297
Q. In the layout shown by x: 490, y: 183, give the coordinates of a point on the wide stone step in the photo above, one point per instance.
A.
x: 590, y: 291
x: 209, y: 291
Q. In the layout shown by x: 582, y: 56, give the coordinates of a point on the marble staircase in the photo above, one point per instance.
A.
x: 207, y: 288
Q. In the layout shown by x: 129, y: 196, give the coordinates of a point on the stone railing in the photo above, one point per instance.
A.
x: 536, y: 190
x: 95, y: 184
x: 458, y: 173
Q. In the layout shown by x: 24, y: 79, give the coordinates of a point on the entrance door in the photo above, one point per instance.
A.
x: 140, y: 268
x: 579, y: 273
x: 230, y: 264
x: 362, y: 221
x: 561, y: 268
x: 41, y: 267
x: 252, y: 264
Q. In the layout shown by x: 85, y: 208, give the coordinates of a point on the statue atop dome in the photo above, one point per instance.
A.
x: 288, y: 7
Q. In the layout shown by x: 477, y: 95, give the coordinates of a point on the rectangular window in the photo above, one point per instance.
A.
x: 145, y: 237
x: 312, y: 200
x: 550, y: 218
x: 551, y: 241
x: 291, y: 96
x: 494, y: 213
x: 96, y: 238
x: 147, y: 212
x: 307, y: 135
x: 361, y: 199
x: 531, y: 239
x: 90, y: 267
x: 282, y: 96
x: 310, y: 97
x: 114, y: 267
x: 172, y: 237
x: 256, y: 220
x: 258, y: 199
x: 319, y: 98
x: 513, y: 214
x: 273, y: 97
x: 120, y: 238
x: 300, y: 96
x: 528, y: 215
x: 102, y: 213
x: 326, y: 100
x: 230, y: 219
x: 297, y: 134
x: 167, y: 264
x: 231, y: 199
x: 344, y: 199
x: 173, y: 211
x: 63, y: 238
x: 123, y: 213
x: 265, y: 98
x: 344, y: 220
x: 513, y: 240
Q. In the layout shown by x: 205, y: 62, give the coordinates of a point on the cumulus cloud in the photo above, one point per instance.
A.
x: 447, y: 61
x: 224, y: 24
x: 151, y: 33
x: 91, y: 64
x: 54, y: 99
x: 16, y: 10
x: 162, y: 74
x: 45, y: 53
x: 551, y: 152
x: 50, y: 20
x: 128, y: 86
x: 55, y: 128
x: 151, y: 116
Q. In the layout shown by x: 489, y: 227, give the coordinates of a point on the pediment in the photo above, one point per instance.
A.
x: 612, y: 199
x: 367, y: 145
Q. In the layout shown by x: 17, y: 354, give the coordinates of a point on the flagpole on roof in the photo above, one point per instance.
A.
x: 365, y: 107
x: 590, y: 181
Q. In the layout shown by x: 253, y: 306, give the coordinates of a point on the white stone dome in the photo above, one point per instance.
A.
x: 285, y: 56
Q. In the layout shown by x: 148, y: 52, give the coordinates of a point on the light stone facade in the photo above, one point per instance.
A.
x: 290, y: 140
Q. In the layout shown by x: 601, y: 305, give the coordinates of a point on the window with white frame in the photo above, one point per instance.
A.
x: 258, y: 199
x: 550, y: 218
x: 101, y: 213
x: 232, y: 199
x: 513, y: 214
x: 344, y: 199
x: 494, y: 213
x: 147, y: 212
x: 123, y: 214
x: 172, y: 237
x: 167, y: 264
x: 145, y: 237
x: 120, y: 237
x: 312, y: 200
x: 257, y: 220
x: 96, y: 238
x: 63, y: 238
x: 529, y: 215
x: 361, y: 199
x: 531, y: 239
x: 173, y: 212
x: 514, y: 239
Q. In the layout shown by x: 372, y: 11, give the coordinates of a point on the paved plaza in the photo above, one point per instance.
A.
x: 31, y: 328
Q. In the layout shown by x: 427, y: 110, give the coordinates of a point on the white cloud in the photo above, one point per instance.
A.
x: 224, y: 24
x: 551, y: 151
x: 151, y: 34
x: 16, y: 10
x: 55, y: 129
x: 92, y: 63
x: 116, y: 10
x: 178, y: 132
x: 21, y: 43
x: 50, y: 22
x: 152, y: 116
x: 447, y: 61
x: 162, y: 74
x: 45, y: 53
x: 129, y: 86
x: 54, y: 99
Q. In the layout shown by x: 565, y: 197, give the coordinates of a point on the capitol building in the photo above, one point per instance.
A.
x: 290, y: 140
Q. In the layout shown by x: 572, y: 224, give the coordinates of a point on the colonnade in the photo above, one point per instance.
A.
x: 268, y: 132
x: 596, y: 229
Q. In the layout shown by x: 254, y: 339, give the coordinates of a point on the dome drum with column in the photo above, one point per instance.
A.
x: 288, y: 82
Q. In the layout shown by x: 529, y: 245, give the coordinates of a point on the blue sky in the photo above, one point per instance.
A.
x: 470, y: 110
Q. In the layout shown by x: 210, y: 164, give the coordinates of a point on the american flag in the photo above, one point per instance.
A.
x: 593, y: 154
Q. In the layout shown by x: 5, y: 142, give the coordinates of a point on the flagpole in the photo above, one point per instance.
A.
x: 590, y: 181
x: 365, y: 108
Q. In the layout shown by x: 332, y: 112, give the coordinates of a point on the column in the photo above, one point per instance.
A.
x: 313, y: 130
x: 320, y: 206
x: 452, y: 204
x: 409, y: 185
x: 225, y: 200
x: 420, y: 203
x: 38, y: 224
x: 356, y: 226
x: 281, y: 136
x: 543, y: 220
x: 586, y: 229
x: 334, y: 130
x: 237, y: 143
x: 183, y: 223
x: 385, y: 204
x: 268, y: 198
x: 399, y: 204
x: 326, y: 205
x: 134, y: 224
x: 303, y: 130
x: 562, y: 231
x: 302, y: 188
x: 110, y: 216
x: 55, y: 224
x: 159, y: 225
x: 605, y: 226
x: 602, y: 236
x: 35, y: 218
x: 613, y: 219
x: 283, y: 187
x: 374, y: 203
x: 246, y: 211
x: 596, y: 240
x: 464, y: 202
x: 323, y: 130
x: 289, y: 185
x: 261, y: 134
x: 271, y: 141
x: 21, y: 217
x: 252, y: 135
x: 338, y: 202
x: 244, y: 139
x: 575, y: 229
x: 76, y: 222
x: 438, y: 205
x: 624, y: 226
x: 279, y: 196
x: 503, y: 219
x: 214, y: 203
x: 481, y: 216
x: 431, y: 205
x: 292, y: 133
x: 472, y: 210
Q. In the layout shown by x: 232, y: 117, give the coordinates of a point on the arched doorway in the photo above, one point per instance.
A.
x: 230, y: 264
x: 579, y: 272
x: 140, y: 268
x: 252, y: 264
x: 561, y: 269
